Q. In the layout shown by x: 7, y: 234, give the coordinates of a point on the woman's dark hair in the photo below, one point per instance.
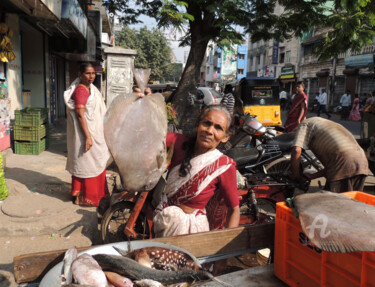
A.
x: 84, y: 66
x: 228, y: 89
x: 185, y: 166
x: 300, y: 84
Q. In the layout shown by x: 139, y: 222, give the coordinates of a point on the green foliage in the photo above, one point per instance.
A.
x: 174, y: 72
x: 352, y: 22
x: 152, y: 49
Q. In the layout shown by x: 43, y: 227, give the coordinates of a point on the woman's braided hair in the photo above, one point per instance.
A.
x: 185, y: 166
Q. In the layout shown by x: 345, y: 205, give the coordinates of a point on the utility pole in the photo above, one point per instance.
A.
x: 333, y: 81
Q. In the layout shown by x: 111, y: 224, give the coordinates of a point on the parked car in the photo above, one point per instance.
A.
x: 209, y: 95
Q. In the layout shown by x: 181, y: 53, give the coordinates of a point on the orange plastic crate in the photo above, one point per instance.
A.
x: 299, y: 263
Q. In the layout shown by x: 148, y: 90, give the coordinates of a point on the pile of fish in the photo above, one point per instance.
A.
x: 335, y: 222
x: 135, y: 131
x: 150, y: 266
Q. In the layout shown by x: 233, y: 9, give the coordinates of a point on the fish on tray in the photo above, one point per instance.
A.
x: 87, y: 271
x: 162, y: 258
x: 335, y: 222
x: 135, y: 271
x: 69, y: 257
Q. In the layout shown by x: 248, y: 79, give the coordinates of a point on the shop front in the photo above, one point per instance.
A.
x: 288, y: 79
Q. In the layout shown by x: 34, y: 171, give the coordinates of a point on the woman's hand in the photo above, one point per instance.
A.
x: 233, y: 217
x: 88, y: 144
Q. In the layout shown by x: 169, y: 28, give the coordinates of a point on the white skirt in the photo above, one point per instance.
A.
x: 172, y: 220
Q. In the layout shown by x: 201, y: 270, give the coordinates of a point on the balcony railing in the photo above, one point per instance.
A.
x: 310, y: 59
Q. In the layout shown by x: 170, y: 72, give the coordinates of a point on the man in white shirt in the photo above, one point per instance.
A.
x: 345, y: 101
x: 323, y: 103
x: 283, y: 96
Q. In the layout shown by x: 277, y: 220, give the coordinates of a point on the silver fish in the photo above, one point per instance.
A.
x: 87, y: 271
x: 69, y: 257
x: 130, y: 268
x: 335, y: 222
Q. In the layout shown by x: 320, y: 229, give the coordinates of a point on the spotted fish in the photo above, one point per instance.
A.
x: 162, y: 258
x: 335, y: 222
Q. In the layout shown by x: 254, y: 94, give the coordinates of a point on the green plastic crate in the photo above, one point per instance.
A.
x: 23, y: 147
x: 33, y: 133
x: 31, y: 116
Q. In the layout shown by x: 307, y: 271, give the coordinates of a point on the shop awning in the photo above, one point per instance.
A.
x: 314, y: 39
x: 284, y: 81
x: 359, y: 61
x: 44, y: 9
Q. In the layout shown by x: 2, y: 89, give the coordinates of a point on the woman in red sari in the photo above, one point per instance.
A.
x: 201, y: 191
x: 87, y: 151
x: 298, y: 110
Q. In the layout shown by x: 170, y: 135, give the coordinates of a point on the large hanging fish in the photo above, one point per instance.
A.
x: 335, y: 222
x: 135, y: 130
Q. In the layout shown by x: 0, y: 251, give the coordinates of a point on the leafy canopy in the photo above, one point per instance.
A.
x: 152, y: 49
x: 352, y: 22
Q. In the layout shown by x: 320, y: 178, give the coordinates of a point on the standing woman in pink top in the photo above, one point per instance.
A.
x: 354, y: 113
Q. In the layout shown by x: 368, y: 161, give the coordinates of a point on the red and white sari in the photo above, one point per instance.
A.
x: 170, y: 219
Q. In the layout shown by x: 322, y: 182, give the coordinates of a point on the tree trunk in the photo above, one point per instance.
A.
x: 187, y: 113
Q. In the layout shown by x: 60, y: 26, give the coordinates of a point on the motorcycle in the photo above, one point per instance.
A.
x: 264, y: 168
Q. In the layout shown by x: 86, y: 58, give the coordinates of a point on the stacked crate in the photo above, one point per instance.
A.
x: 31, y: 131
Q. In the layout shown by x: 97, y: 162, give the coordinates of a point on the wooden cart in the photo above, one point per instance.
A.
x: 207, y: 246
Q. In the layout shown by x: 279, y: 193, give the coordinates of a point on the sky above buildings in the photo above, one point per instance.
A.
x: 171, y: 34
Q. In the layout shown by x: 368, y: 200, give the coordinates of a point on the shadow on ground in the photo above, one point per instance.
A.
x: 41, y: 183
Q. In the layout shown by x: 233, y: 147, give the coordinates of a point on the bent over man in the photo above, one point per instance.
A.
x: 345, y: 163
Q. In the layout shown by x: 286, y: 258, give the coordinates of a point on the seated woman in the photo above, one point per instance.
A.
x: 200, y: 175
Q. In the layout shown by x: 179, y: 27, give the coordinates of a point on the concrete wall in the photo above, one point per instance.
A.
x: 33, y: 64
x: 14, y: 67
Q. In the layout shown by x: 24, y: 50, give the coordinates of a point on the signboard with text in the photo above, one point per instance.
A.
x: 287, y: 72
x: 275, y: 53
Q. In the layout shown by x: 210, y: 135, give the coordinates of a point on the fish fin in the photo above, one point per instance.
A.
x: 169, y: 156
x: 163, y: 163
x: 122, y: 252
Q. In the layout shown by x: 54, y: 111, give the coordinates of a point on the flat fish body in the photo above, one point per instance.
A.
x: 135, y: 131
x: 335, y: 222
x: 86, y: 271
x: 164, y: 259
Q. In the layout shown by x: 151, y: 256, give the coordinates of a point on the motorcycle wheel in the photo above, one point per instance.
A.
x: 279, y: 167
x: 114, y: 222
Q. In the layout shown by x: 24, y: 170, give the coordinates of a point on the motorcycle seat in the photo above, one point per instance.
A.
x: 284, y: 141
x: 243, y: 156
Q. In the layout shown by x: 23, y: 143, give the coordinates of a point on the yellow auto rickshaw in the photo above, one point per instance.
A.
x: 259, y: 96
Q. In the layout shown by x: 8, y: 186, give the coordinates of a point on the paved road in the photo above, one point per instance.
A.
x: 353, y: 127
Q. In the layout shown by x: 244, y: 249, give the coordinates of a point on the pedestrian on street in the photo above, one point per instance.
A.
x: 228, y: 98
x: 323, y: 104
x: 345, y: 163
x: 345, y: 101
x: 298, y: 110
x: 87, y: 150
x: 354, y: 113
x: 283, y: 98
x: 369, y: 101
